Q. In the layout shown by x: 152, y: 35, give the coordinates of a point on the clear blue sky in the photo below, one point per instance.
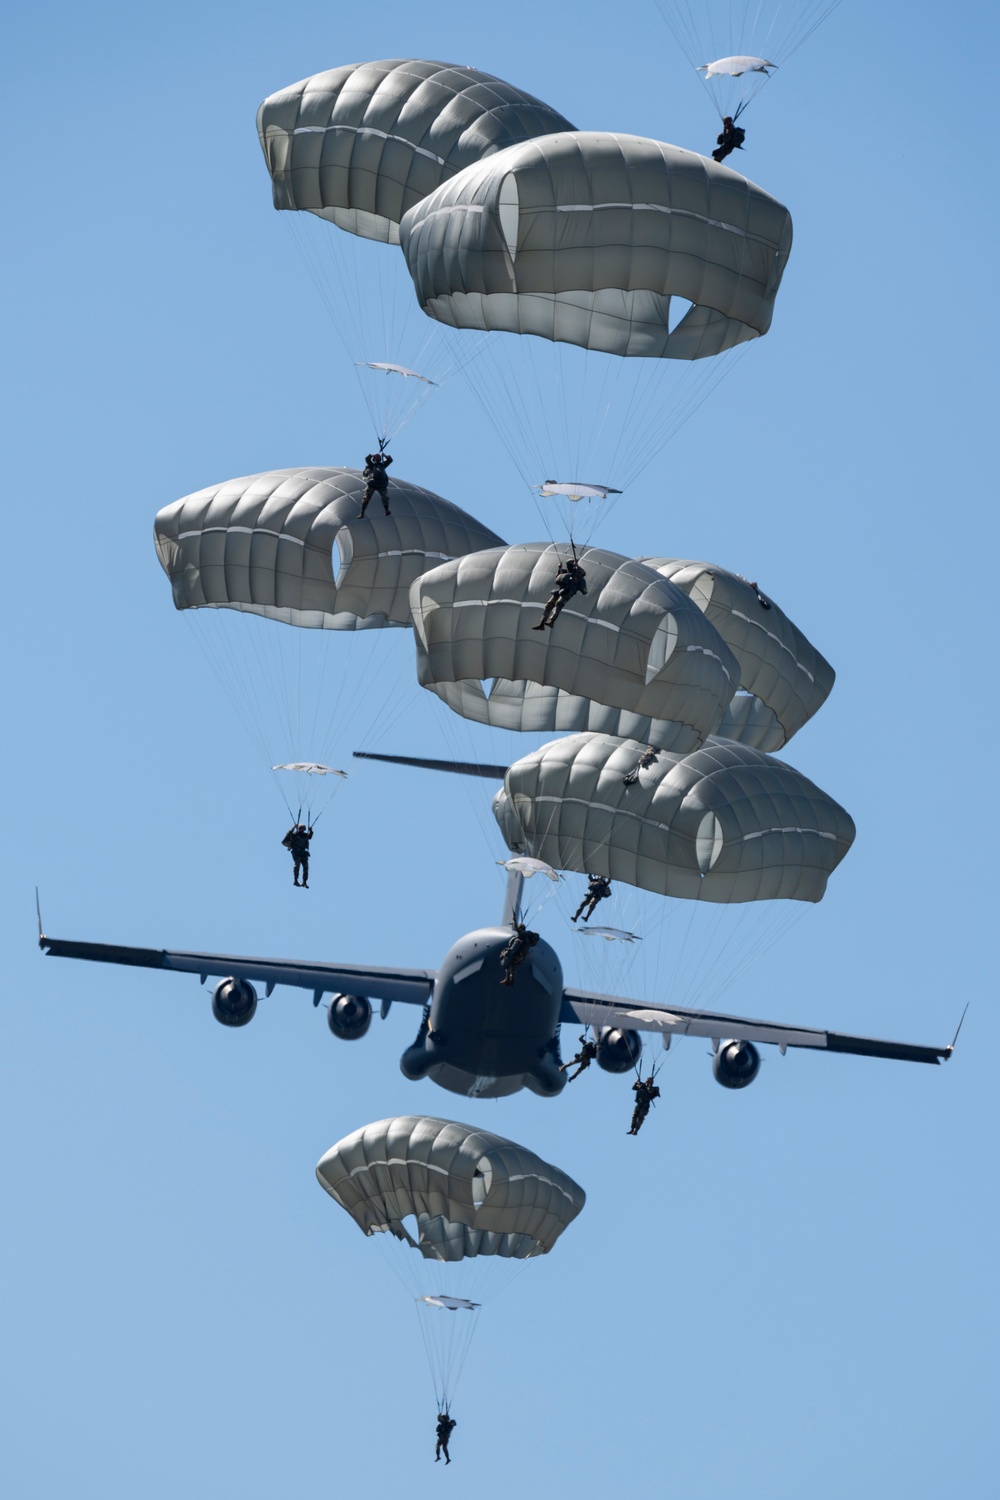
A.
x: 783, y: 1293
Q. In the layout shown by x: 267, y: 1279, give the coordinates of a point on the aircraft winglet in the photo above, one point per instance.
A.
x: 950, y: 1050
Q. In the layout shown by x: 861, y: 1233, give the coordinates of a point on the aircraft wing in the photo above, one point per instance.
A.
x: 612, y: 1010
x: 408, y: 986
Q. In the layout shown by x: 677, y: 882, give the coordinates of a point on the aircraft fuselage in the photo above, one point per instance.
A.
x: 485, y: 1039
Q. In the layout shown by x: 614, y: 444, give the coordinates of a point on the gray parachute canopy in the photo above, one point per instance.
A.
x: 585, y: 237
x: 784, y: 677
x: 631, y: 656
x: 360, y: 144
x: 724, y: 824
x: 471, y: 1192
x: 264, y: 544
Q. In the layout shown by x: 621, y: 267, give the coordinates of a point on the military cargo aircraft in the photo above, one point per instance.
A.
x: 478, y: 1036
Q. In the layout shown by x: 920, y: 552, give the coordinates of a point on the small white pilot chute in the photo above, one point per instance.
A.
x: 575, y: 491
x: 577, y: 520
x: 735, y: 67
x: 453, y: 1304
x: 315, y: 787
x: 748, y: 42
x: 390, y: 369
x: 525, y: 866
x: 393, y: 393
x: 392, y: 402
x: 310, y: 768
x: 521, y: 864
x: 609, y: 934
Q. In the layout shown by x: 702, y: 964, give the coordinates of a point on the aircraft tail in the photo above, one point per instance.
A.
x: 512, y: 898
x: 515, y: 880
x: 459, y: 767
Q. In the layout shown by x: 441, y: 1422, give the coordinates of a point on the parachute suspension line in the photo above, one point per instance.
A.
x: 533, y: 908
x: 395, y: 698
x: 817, y: 14
x: 288, y: 806
x: 653, y: 1070
x: 712, y: 30
x: 695, y: 390
x: 623, y: 398
x: 240, y: 642
x: 500, y: 389
x: 699, y: 949
x: 641, y: 428
x: 447, y: 1346
x: 508, y: 389
x: 710, y: 946
x: 610, y: 961
x: 556, y: 516
x: 601, y: 376
x: 342, y: 295
x: 297, y: 693
x: 223, y: 663
x: 466, y: 740
x: 514, y: 427
x: 691, y: 952
x: 447, y: 1333
x: 366, y: 661
x: 755, y: 942
x: 626, y: 411
x: 464, y: 743
x: 368, y: 296
x: 444, y: 1361
x: 430, y: 1352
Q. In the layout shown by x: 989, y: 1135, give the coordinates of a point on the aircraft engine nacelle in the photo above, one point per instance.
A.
x: 349, y: 1017
x: 234, y: 1002
x: 618, y: 1051
x: 736, y: 1064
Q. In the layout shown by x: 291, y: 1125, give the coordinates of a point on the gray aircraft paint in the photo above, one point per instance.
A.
x: 489, y: 1039
x: 534, y: 1017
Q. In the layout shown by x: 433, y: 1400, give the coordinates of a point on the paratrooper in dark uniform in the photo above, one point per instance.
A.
x: 297, y: 841
x: 583, y: 1059
x: 570, y: 580
x: 445, y: 1427
x: 598, y: 889
x: 764, y: 603
x: 376, y: 479
x: 730, y: 140
x: 645, y: 1091
x: 515, y: 951
x: 648, y: 758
